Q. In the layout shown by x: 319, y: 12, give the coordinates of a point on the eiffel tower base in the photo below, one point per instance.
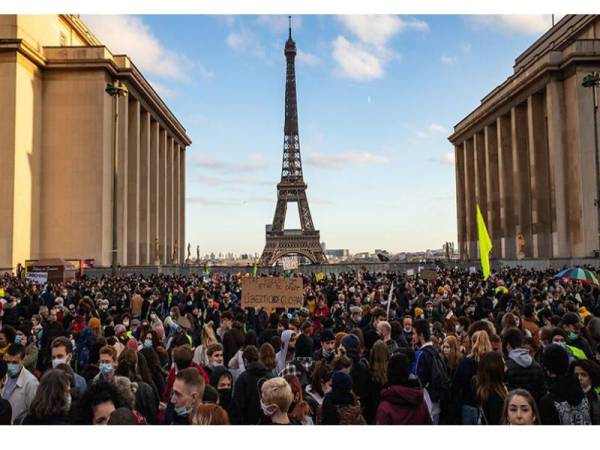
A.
x: 301, y: 243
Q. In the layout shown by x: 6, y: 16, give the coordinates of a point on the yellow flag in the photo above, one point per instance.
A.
x: 485, y: 245
x: 319, y: 276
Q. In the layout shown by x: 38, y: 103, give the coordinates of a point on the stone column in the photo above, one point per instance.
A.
x: 459, y: 157
x: 555, y: 104
x: 162, y: 179
x: 540, y: 176
x: 176, y: 194
x: 133, y: 183
x: 154, y: 186
x: 169, y: 191
x: 506, y: 187
x: 182, y: 242
x: 145, y: 175
x: 521, y: 175
x: 122, y: 182
x: 493, y: 189
x: 480, y: 180
x: 470, y: 199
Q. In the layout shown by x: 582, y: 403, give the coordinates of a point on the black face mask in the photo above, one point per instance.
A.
x: 225, y: 396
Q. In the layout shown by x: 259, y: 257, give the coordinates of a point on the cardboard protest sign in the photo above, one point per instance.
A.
x: 38, y: 277
x: 427, y: 274
x: 410, y: 272
x: 272, y: 292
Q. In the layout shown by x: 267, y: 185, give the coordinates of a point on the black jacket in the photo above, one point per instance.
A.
x: 525, y: 373
x: 565, y: 403
x: 146, y: 402
x: 52, y: 420
x: 245, y: 404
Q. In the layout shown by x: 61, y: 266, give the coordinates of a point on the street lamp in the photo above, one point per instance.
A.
x: 115, y: 89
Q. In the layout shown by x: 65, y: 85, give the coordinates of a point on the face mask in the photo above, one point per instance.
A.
x: 153, y: 316
x: 14, y: 369
x: 51, y: 319
x: 572, y: 336
x: 148, y: 343
x: 125, y: 324
x: 2, y: 343
x: 106, y: 368
x: 58, y: 361
x: 183, y: 411
x: 268, y: 410
x: 69, y: 400
x: 216, y: 365
x: 457, y: 328
x: 407, y: 329
x: 224, y: 395
x: 18, y: 339
x: 326, y: 353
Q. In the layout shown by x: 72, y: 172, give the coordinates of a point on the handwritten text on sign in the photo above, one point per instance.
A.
x: 272, y: 292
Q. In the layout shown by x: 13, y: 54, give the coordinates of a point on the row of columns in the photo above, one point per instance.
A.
x: 150, y: 189
x: 525, y: 172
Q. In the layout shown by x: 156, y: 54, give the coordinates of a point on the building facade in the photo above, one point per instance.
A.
x: 56, y: 150
x: 526, y: 155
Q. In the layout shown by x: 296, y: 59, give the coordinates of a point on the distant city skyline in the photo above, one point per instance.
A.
x: 377, y: 98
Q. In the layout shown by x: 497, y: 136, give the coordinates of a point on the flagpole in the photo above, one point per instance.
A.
x: 390, y: 300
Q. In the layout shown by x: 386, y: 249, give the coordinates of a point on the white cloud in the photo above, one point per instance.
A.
x: 512, y: 23
x: 437, y: 128
x: 366, y: 57
x: 228, y: 201
x: 378, y: 29
x: 245, y: 40
x: 465, y: 48
x: 449, y: 60
x: 163, y: 90
x: 254, y: 162
x: 358, y: 62
x: 333, y: 161
x: 278, y: 23
x: 307, y: 58
x: 448, y: 158
x: 131, y: 36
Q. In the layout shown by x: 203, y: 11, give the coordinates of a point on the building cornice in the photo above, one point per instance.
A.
x: 551, y: 52
x: 580, y: 51
x: 21, y: 46
x: 120, y: 67
x: 81, y: 28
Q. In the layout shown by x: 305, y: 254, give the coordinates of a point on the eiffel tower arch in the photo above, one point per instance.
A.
x: 291, y: 188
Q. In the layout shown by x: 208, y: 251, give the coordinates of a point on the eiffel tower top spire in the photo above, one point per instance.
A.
x: 291, y: 170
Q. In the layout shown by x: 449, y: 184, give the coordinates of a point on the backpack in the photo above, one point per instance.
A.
x: 350, y: 414
x: 439, y: 386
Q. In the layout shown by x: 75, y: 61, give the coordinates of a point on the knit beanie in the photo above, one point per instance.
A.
x: 341, y: 381
x: 132, y: 344
x: 556, y: 359
x: 398, y: 369
x: 351, y: 343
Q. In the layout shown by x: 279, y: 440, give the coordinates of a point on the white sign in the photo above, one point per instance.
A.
x: 38, y: 277
x: 410, y: 272
x: 289, y: 262
x: 472, y: 269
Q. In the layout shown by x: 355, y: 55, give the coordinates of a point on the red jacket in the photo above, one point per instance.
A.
x: 401, y: 405
x: 171, y: 380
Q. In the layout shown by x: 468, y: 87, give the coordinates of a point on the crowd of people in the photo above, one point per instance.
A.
x: 522, y: 348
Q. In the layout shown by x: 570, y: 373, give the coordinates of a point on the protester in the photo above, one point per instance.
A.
x: 275, y: 400
x: 520, y: 408
x: 209, y: 414
x: 52, y: 401
x: 21, y: 385
x: 188, y: 389
x: 403, y: 402
x: 565, y: 403
x: 127, y: 337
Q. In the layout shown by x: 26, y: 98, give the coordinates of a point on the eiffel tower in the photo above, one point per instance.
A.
x: 291, y: 188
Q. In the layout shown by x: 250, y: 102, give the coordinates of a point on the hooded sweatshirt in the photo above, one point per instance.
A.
x: 245, y: 404
x: 402, y: 405
x: 524, y: 373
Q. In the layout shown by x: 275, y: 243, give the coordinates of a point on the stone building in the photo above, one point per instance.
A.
x: 56, y: 150
x: 526, y: 155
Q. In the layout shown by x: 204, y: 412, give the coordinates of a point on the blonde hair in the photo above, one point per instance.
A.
x: 208, y: 336
x: 277, y: 391
x: 480, y: 344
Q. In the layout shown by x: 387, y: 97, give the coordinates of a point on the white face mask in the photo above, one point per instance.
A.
x: 58, y: 361
x: 268, y: 410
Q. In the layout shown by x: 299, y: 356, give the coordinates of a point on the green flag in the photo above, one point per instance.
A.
x: 485, y: 245
x: 255, y: 268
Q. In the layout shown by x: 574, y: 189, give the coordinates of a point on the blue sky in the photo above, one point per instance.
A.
x: 377, y: 98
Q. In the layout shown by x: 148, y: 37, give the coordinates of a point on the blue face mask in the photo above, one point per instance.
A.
x: 572, y: 336
x: 183, y: 411
x: 13, y: 369
x: 148, y: 343
x: 106, y: 368
x: 18, y: 339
